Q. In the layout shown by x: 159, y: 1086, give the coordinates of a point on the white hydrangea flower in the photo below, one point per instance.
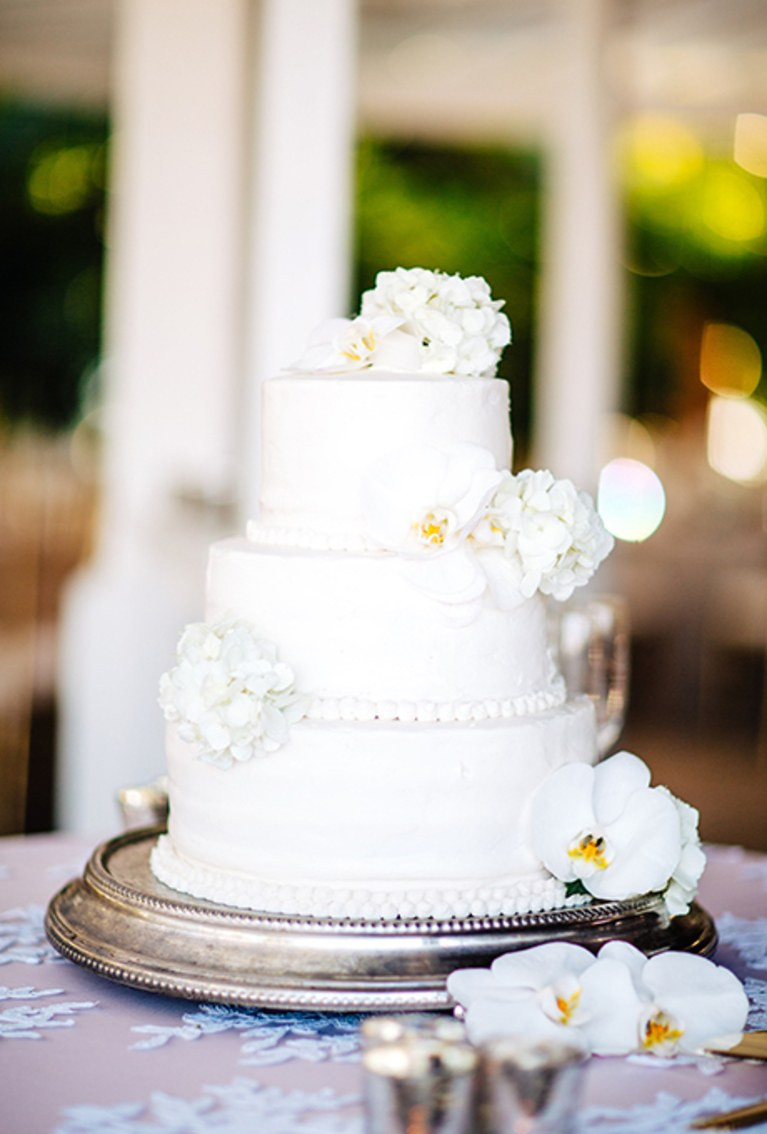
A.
x: 355, y: 344
x: 551, y: 533
x: 458, y: 325
x: 228, y: 694
x: 612, y: 1004
x: 607, y: 828
x: 683, y: 885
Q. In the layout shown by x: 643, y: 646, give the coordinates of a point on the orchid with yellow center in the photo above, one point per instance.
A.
x: 685, y: 1001
x: 355, y: 344
x: 616, y: 1003
x: 607, y: 829
x: 424, y: 503
x: 589, y: 851
x: 659, y: 1032
x: 551, y: 991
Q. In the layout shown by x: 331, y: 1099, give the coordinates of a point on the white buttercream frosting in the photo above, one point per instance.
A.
x: 371, y: 808
x: 346, y: 623
x: 323, y: 432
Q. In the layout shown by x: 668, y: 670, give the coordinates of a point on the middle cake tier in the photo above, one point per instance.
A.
x: 364, y: 642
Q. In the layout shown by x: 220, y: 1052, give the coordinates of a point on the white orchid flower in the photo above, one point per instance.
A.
x: 556, y: 990
x: 686, y: 1001
x: 356, y: 344
x: 607, y: 828
x: 615, y: 1003
x: 424, y: 503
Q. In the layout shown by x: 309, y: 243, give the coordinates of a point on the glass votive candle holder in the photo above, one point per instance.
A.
x: 529, y: 1086
x: 144, y: 805
x: 418, y: 1076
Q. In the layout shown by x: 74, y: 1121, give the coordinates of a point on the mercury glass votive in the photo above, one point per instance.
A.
x: 419, y: 1077
x: 529, y: 1086
x: 144, y: 805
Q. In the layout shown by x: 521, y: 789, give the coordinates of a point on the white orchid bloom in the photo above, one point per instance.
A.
x: 556, y: 990
x: 356, y: 344
x: 606, y: 827
x: 686, y: 1001
x: 427, y: 501
x: 615, y: 1003
x: 424, y: 503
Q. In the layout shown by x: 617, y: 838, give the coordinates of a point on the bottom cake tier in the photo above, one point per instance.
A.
x: 373, y: 820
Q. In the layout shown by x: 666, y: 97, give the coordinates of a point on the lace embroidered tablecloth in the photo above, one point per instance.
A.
x: 79, y: 1055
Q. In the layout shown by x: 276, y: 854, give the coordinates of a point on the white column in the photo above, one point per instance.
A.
x: 579, y: 355
x: 304, y: 132
x: 173, y: 331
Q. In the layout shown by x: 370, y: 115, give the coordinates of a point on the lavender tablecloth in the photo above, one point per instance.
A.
x: 79, y: 1055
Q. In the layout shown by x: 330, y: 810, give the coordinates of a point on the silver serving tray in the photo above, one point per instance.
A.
x: 120, y: 922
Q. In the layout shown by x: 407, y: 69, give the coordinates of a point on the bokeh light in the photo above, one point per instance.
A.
x: 660, y: 153
x: 750, y: 144
x: 730, y: 361
x: 630, y: 499
x: 731, y: 205
x: 736, y: 440
x: 630, y: 437
x: 62, y: 179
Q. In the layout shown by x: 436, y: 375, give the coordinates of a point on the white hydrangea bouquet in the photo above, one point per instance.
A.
x: 414, y: 320
x: 228, y: 694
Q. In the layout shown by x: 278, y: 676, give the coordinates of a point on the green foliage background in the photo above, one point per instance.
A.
x: 459, y: 209
x: 51, y: 261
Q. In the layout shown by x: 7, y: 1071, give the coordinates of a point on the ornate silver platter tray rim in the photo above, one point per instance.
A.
x: 121, y: 923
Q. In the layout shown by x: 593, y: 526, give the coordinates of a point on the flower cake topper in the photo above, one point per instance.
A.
x: 228, y: 694
x: 416, y: 320
x: 613, y: 1004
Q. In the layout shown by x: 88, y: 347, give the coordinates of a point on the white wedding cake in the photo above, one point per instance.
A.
x: 363, y: 724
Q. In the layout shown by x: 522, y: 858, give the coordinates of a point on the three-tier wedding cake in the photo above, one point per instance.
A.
x: 364, y: 723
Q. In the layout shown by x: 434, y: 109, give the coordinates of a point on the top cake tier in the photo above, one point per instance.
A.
x: 321, y: 432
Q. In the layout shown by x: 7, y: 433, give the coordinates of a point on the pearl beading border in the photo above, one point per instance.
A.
x: 339, y: 902
x: 430, y: 712
x: 304, y: 539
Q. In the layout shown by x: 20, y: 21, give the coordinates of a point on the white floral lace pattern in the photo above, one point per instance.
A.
x: 756, y: 991
x: 22, y: 1020
x: 300, y: 1054
x: 268, y: 1038
x: 667, y: 1114
x: 22, y: 937
x: 746, y: 936
x: 242, y: 1105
